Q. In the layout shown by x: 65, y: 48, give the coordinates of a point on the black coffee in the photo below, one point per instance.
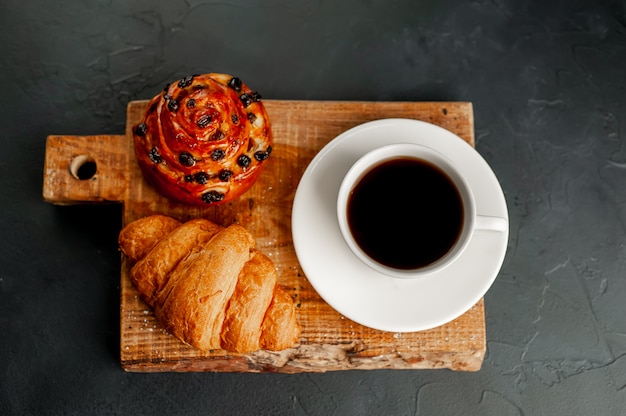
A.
x: 405, y: 213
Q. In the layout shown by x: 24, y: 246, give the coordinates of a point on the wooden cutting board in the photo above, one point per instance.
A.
x: 99, y: 169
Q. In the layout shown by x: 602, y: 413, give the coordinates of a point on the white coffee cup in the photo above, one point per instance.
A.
x: 471, y: 220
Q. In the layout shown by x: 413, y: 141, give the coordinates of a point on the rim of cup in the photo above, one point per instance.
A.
x: 382, y: 154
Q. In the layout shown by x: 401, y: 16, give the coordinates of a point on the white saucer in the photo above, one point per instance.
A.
x: 368, y: 297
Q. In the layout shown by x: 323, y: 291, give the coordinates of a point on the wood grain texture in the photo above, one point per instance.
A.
x: 329, y: 341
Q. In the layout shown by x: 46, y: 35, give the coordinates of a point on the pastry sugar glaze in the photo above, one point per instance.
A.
x: 203, y: 139
x: 405, y: 213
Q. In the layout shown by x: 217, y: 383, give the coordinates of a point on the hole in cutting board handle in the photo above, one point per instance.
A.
x: 83, y: 167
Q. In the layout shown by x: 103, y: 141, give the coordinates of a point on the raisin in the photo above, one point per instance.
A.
x: 234, y: 118
x: 167, y: 86
x: 167, y: 97
x: 235, y: 83
x: 141, y: 129
x: 201, y: 177
x: 188, y: 178
x: 186, y: 159
x: 217, y: 154
x: 218, y: 135
x: 256, y: 97
x: 154, y: 155
x: 244, y: 161
x: 191, y: 103
x: 212, y: 196
x: 225, y: 175
x: 204, y: 121
x: 185, y: 82
x: 251, y: 117
x: 269, y: 150
x: 261, y: 155
x: 246, y: 99
x: 173, y: 105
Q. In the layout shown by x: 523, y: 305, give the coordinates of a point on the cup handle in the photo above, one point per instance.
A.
x: 491, y: 223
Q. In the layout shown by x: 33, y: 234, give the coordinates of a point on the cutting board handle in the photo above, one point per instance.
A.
x: 85, y: 169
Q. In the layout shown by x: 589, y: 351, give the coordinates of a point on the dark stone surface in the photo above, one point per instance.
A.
x: 548, y: 84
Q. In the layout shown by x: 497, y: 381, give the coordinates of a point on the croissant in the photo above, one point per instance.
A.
x: 208, y: 285
x: 204, y: 139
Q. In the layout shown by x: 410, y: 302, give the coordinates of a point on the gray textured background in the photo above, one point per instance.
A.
x: 548, y: 84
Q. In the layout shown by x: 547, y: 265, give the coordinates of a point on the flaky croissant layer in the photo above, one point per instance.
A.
x: 208, y: 285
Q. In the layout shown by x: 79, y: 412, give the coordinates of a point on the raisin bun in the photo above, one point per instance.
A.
x: 204, y: 139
